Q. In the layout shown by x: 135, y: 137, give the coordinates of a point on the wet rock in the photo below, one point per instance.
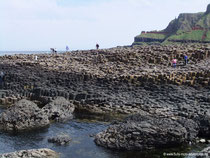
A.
x: 62, y: 139
x: 143, y: 132
x: 33, y: 153
x: 59, y: 109
x: 92, y: 135
x: 204, y: 124
x: 79, y: 97
x: 23, y: 115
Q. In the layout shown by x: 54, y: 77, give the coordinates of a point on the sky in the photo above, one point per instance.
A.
x: 36, y: 25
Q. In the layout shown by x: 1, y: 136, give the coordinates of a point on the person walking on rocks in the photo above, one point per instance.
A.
x: 185, y: 59
x: 174, y: 61
x: 53, y: 50
x: 97, y: 46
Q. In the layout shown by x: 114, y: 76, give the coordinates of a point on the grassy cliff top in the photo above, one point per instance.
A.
x: 193, y: 35
x: 187, y: 27
x: 204, y: 22
x: 152, y: 35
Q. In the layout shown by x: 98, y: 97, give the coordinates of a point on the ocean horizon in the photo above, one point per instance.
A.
x: 25, y: 52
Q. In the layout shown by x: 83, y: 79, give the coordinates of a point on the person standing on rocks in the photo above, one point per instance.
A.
x: 174, y: 61
x: 67, y: 48
x: 55, y: 50
x: 97, y: 46
x: 185, y: 59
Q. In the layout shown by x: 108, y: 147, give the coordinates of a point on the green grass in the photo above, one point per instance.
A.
x: 145, y: 43
x: 181, y: 34
x: 139, y: 43
x: 208, y: 36
x: 166, y: 42
x: 193, y: 35
x: 204, y: 21
x: 152, y: 35
x: 201, y: 22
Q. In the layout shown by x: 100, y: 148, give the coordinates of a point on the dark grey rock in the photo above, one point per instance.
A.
x: 208, y: 9
x: 191, y: 127
x: 59, y: 109
x: 23, y: 115
x: 143, y: 132
x: 62, y: 139
x: 203, y: 121
x: 34, y: 153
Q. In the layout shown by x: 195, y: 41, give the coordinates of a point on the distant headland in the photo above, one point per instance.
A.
x: 187, y: 28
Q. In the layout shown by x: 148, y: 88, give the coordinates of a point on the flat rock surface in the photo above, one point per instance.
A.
x: 34, y: 153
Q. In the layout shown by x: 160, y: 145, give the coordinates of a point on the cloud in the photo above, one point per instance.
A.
x: 41, y: 24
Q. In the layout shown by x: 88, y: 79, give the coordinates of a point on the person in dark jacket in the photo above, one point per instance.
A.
x: 185, y: 59
x: 97, y: 46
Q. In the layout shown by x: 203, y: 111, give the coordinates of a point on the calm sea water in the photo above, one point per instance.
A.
x: 24, y: 52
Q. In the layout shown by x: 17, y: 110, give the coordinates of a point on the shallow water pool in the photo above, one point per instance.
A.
x: 81, y: 146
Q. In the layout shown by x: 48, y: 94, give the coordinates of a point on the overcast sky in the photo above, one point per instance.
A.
x: 80, y: 24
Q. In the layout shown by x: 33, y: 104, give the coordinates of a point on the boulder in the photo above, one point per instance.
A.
x: 59, y: 109
x: 23, y: 115
x: 191, y: 126
x: 203, y: 121
x: 33, y: 153
x: 62, y: 139
x: 140, y: 132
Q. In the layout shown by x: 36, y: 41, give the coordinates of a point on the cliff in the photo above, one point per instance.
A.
x: 187, y: 28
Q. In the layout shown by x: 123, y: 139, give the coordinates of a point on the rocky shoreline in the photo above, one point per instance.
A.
x: 146, y: 132
x: 172, y: 104
x: 33, y: 153
x: 26, y: 115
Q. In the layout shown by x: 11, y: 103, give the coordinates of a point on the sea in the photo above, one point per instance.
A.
x: 24, y: 52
